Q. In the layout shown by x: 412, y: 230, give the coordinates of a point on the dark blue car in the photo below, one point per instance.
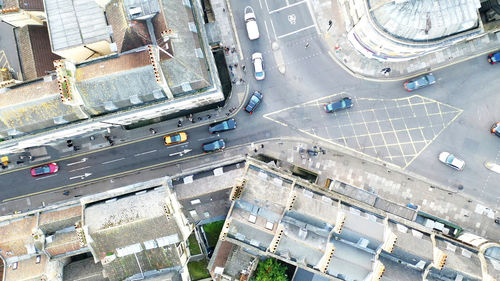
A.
x: 338, y: 105
x: 222, y: 126
x: 255, y: 100
x: 419, y: 82
x: 217, y: 145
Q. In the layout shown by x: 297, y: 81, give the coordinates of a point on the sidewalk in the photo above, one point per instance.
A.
x: 359, y: 65
x: 119, y: 135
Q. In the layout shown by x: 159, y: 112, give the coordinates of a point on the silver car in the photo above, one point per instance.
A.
x: 452, y: 161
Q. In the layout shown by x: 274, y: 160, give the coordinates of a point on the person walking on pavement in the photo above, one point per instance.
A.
x: 307, y: 44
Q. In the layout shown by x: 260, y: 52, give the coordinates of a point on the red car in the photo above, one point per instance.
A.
x: 44, y: 169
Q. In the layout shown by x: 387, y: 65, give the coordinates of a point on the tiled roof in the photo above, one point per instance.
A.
x: 15, y: 235
x: 63, y: 242
x: 35, y: 51
x: 31, y: 5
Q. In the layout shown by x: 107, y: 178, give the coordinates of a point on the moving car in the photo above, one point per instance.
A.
x: 338, y: 105
x: 419, y: 82
x: 254, y: 101
x: 452, y: 161
x: 251, y: 23
x: 495, y: 129
x: 222, y: 126
x: 494, y: 58
x: 175, y: 138
x: 213, y: 146
x: 44, y: 169
x: 258, y: 65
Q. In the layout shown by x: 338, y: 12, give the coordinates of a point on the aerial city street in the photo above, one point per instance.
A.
x: 280, y: 140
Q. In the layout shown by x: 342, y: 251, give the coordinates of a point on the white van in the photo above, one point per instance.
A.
x: 251, y: 23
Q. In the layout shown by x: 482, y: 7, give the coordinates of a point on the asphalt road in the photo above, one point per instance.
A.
x: 386, y: 122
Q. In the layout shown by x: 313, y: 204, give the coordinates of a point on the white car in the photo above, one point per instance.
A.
x: 258, y: 65
x: 452, y: 161
x: 251, y: 23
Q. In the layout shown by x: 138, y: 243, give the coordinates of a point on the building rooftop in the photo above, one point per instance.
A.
x: 34, y: 106
x: 28, y: 5
x: 27, y: 269
x: 75, y: 23
x: 85, y: 269
x: 119, y: 82
x: 9, y: 45
x: 188, y: 69
x: 460, y: 259
x: 427, y: 19
x: 36, y: 54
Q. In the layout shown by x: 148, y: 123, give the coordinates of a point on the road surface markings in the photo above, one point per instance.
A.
x: 296, y: 31
x: 86, y: 167
x: 267, y: 31
x: 45, y: 177
x: 286, y: 7
x: 81, y: 176
x: 207, y: 138
x: 143, y: 153
x: 274, y: 30
x: 78, y: 162
x: 179, y: 144
x: 107, y: 162
x: 180, y: 153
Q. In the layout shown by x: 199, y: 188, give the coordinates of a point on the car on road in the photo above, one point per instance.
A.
x: 338, y: 105
x: 452, y: 161
x: 254, y: 101
x: 258, y: 65
x: 213, y: 146
x: 495, y: 129
x: 494, y: 58
x: 175, y: 138
x: 44, y: 169
x: 222, y: 126
x: 419, y: 82
x: 251, y: 24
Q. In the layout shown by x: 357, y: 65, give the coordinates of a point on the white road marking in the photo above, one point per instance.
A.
x: 179, y: 144
x: 267, y: 6
x: 86, y: 167
x: 78, y: 162
x: 147, y: 152
x: 260, y: 3
x: 309, y: 8
x: 45, y: 177
x: 296, y: 31
x: 107, y: 162
x: 286, y: 7
x: 81, y: 176
x: 274, y: 31
x: 206, y: 138
x: 267, y: 31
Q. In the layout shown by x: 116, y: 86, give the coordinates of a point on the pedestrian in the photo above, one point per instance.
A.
x: 235, y: 65
x: 244, y: 68
x: 242, y: 81
x: 233, y: 81
x: 231, y: 67
x: 224, y: 10
x: 307, y: 44
x: 233, y: 50
x: 179, y: 124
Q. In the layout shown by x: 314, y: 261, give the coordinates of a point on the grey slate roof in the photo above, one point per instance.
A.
x: 189, y: 63
x: 75, y: 23
x: 34, y: 106
x: 116, y: 83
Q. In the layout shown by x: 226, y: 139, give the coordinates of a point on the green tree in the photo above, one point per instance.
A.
x: 270, y: 270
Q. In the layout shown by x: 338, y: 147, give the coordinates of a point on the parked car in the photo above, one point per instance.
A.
x: 222, y: 126
x: 258, y: 65
x: 44, y: 169
x: 254, y: 101
x: 419, y: 82
x: 452, y: 161
x: 495, y: 129
x: 175, y: 138
x: 213, y: 146
x: 494, y: 58
x: 251, y: 24
x: 338, y: 105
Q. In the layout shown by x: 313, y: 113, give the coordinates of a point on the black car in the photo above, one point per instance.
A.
x: 222, y: 126
x: 255, y: 100
x: 217, y: 145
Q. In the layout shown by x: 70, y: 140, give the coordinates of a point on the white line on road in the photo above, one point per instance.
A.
x: 86, y: 167
x: 78, y: 162
x: 147, y: 152
x: 274, y: 30
x: 206, y: 138
x: 45, y: 177
x: 81, y: 176
x: 107, y: 162
x: 267, y: 6
x: 296, y: 31
x: 286, y: 7
x: 267, y: 31
x: 179, y: 144
x: 260, y: 3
